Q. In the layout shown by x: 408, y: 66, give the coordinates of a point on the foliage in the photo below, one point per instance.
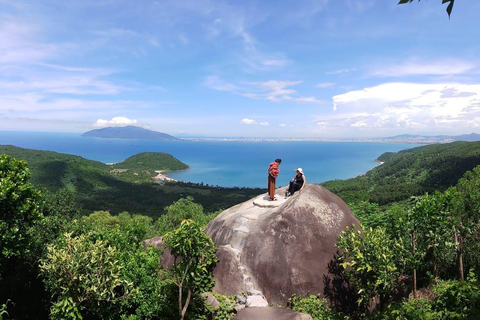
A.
x: 449, y: 7
x: 411, y: 309
x: 366, y: 212
x: 140, y: 265
x: 314, y: 306
x: 101, y: 220
x: 19, y: 207
x: 445, y: 224
x: 450, y: 299
x: 372, y: 263
x: 430, y: 225
x: 3, y: 310
x: 457, y: 299
x: 151, y: 161
x: 225, y: 311
x: 126, y: 186
x: 84, y: 277
x: 411, y: 172
x: 195, y: 258
x: 61, y: 203
x: 177, y: 212
x: 466, y: 205
x: 21, y: 283
x: 20, y: 212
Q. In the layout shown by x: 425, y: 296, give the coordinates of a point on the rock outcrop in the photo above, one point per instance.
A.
x: 276, y: 248
x: 270, y: 314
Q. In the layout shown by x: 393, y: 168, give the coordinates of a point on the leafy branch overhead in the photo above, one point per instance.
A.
x: 449, y: 7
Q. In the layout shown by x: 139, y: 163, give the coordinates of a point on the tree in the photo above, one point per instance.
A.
x: 84, y: 276
x: 466, y: 205
x: 19, y: 208
x: 182, y: 209
x: 430, y: 227
x: 194, y: 253
x: 449, y: 7
x: 139, y: 266
x: 370, y: 259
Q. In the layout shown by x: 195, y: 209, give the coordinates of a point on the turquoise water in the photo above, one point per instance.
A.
x: 223, y: 163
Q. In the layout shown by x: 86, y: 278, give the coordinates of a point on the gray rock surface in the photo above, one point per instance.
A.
x: 278, y: 250
x: 210, y: 299
x: 273, y: 313
x: 256, y: 301
x: 167, y: 258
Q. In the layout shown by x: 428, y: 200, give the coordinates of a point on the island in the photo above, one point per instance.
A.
x: 128, y: 132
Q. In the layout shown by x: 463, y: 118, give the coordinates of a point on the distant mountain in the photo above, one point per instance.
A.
x: 468, y: 137
x: 434, y: 139
x: 128, y: 132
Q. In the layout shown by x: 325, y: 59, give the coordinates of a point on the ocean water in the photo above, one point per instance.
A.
x: 223, y: 163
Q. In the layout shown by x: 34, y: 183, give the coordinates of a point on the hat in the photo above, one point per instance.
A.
x: 299, y: 170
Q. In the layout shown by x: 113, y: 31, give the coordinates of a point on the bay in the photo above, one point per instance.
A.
x: 223, y: 163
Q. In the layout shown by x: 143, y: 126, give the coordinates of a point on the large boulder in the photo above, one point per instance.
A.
x: 277, y: 248
x: 273, y: 313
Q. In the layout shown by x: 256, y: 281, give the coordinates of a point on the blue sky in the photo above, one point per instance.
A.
x: 325, y: 68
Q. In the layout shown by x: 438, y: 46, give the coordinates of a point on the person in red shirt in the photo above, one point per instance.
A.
x: 273, y: 171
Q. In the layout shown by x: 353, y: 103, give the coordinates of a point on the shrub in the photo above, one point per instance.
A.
x: 314, y: 306
x: 84, y: 276
x: 457, y: 299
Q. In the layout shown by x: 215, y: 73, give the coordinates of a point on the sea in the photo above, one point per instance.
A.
x: 223, y: 162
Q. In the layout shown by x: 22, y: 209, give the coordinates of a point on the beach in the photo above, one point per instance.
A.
x: 161, y: 177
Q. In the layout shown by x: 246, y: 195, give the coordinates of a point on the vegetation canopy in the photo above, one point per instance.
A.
x: 125, y: 186
x: 413, y: 258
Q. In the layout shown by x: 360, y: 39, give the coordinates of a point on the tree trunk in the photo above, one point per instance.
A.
x: 187, y: 302
x: 414, y: 247
x: 459, y: 244
x: 180, y: 300
x: 460, y: 258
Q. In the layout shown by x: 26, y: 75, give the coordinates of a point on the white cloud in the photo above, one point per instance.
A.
x: 341, y: 71
x: 281, y: 125
x: 359, y: 124
x: 19, y: 44
x: 415, y: 68
x: 272, y: 90
x: 116, y: 122
x: 275, y: 62
x: 409, y: 106
x: 214, y: 82
x: 278, y: 91
x: 116, y: 32
x: 247, y: 121
x: 35, y: 103
x: 76, y: 85
x: 325, y: 85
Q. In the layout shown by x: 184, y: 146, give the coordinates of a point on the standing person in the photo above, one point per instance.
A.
x: 273, y: 171
x: 297, y: 183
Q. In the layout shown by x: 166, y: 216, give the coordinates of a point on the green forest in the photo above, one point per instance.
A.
x: 125, y: 186
x: 72, y: 249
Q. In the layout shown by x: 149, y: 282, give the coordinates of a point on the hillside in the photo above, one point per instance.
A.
x: 125, y: 186
x: 128, y: 132
x: 149, y: 160
x: 410, y: 172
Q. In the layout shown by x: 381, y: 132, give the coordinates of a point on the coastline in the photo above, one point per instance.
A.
x: 161, y: 177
